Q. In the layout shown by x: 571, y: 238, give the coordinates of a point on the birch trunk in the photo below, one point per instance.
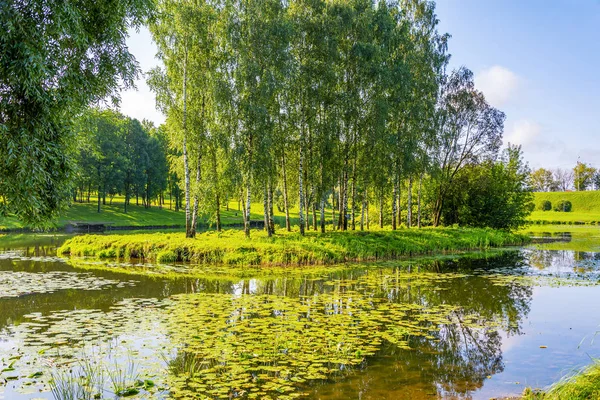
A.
x: 301, y: 188
x: 266, y: 210
x: 341, y: 204
x: 288, y: 227
x: 314, y: 215
x: 362, y: 214
x: 247, y: 209
x: 271, y: 214
x: 196, y: 199
x: 186, y: 168
x: 409, y: 203
x: 322, y: 216
x: 217, y: 196
x: 419, y: 202
x: 367, y: 196
x: 394, y: 206
x: 353, y: 212
x: 345, y: 219
x: 333, y: 209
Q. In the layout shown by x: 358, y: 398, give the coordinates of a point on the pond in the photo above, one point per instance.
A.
x: 474, y: 326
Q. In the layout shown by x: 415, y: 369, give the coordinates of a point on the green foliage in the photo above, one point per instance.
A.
x: 542, y: 180
x: 230, y: 247
x: 117, y: 155
x: 494, y: 193
x: 546, y: 205
x: 563, y: 206
x: 470, y: 136
x: 56, y: 58
x: 583, y: 176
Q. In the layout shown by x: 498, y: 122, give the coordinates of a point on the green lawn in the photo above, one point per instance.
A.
x: 586, y: 208
x: 141, y: 216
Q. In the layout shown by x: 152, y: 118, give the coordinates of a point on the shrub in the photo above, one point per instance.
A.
x: 563, y: 205
x: 546, y: 205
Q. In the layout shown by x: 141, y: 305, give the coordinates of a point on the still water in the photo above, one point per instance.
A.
x: 475, y: 327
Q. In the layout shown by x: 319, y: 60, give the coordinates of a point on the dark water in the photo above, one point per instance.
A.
x: 497, y: 354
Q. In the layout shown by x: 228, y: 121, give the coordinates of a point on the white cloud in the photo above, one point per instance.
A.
x: 498, y: 84
x: 524, y: 132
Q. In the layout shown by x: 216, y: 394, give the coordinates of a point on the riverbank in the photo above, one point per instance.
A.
x: 230, y: 247
x: 582, y: 386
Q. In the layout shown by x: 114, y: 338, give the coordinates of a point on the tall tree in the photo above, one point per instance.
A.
x: 583, y: 176
x: 56, y: 58
x: 542, y: 180
x: 470, y: 130
x: 563, y: 179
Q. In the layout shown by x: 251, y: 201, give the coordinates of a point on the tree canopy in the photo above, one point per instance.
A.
x: 56, y: 58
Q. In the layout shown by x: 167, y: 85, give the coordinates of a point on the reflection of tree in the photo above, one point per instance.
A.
x: 454, y: 363
x: 458, y: 359
x: 563, y: 262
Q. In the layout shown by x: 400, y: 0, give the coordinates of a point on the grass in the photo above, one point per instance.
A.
x: 586, y: 208
x: 232, y: 248
x: 580, y: 386
x: 141, y: 216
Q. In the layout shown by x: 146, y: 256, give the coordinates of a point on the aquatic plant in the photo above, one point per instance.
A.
x: 82, y: 381
x: 257, y: 346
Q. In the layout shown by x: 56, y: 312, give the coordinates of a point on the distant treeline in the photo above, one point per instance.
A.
x: 581, y: 177
x: 117, y: 155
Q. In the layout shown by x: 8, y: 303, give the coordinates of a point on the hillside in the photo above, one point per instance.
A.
x: 586, y: 207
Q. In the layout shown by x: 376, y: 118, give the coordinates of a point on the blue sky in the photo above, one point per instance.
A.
x: 538, y: 61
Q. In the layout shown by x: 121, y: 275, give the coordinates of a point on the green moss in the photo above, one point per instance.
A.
x: 232, y: 248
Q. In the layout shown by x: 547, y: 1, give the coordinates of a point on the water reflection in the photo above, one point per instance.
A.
x: 458, y: 354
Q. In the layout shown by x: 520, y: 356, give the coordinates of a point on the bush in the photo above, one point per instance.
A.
x: 563, y: 205
x: 546, y: 205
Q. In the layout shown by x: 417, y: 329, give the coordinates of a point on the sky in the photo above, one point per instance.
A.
x: 537, y: 61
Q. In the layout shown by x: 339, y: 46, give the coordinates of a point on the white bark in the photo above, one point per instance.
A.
x: 186, y: 168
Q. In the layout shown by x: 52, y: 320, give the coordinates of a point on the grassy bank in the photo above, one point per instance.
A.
x: 586, y: 208
x: 231, y: 248
x: 141, y: 216
x: 582, y: 386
